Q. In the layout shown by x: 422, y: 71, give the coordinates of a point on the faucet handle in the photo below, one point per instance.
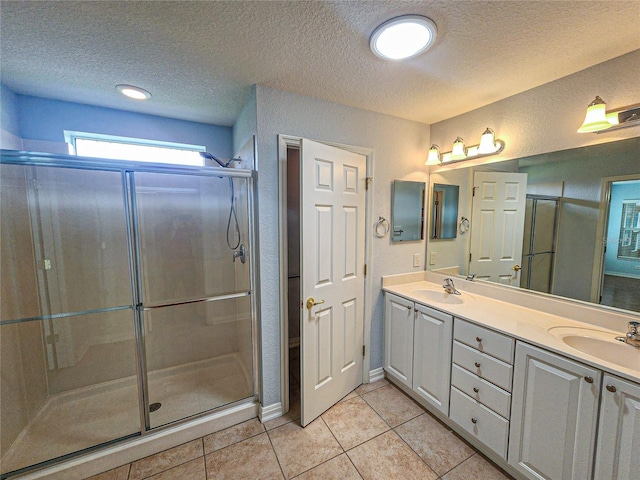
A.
x: 633, y: 328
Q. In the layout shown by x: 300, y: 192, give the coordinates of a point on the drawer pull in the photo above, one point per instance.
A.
x: 476, y: 389
x: 611, y: 388
x: 478, y: 339
x: 477, y: 364
x: 474, y: 420
x: 588, y: 379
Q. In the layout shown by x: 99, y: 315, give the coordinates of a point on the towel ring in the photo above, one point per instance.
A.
x: 463, y: 227
x: 382, y: 227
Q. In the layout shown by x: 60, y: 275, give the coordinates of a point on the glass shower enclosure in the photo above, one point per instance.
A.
x: 126, y: 301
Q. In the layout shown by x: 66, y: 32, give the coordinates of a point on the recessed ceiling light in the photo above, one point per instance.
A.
x: 133, y: 92
x: 403, y: 37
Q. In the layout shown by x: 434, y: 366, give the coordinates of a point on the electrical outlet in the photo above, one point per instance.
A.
x: 432, y: 258
x: 416, y: 259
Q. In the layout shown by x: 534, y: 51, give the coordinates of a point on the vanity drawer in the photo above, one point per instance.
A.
x: 487, y: 426
x: 488, y: 394
x: 487, y: 341
x: 484, y: 366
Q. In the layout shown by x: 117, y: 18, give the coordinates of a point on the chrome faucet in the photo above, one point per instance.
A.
x: 449, y: 287
x: 242, y: 253
x: 633, y: 335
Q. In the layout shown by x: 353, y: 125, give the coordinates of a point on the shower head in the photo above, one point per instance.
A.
x: 208, y: 156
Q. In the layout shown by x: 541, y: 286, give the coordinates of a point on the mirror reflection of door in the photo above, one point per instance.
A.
x: 444, y: 214
x: 498, y: 225
x: 621, y: 278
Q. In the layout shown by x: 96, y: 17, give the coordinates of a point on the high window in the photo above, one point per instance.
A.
x: 135, y: 149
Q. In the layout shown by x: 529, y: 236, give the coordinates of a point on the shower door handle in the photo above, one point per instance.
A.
x: 311, y: 302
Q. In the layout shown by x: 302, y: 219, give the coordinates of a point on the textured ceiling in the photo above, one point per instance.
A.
x: 199, y: 59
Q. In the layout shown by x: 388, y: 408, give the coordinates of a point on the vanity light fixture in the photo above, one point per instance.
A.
x: 403, y: 37
x: 598, y: 119
x: 488, y: 146
x: 136, y: 93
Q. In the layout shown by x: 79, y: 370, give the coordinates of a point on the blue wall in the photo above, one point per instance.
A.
x: 9, y: 110
x: 42, y: 119
x: 613, y: 264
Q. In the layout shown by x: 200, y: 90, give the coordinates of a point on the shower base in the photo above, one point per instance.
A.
x: 82, y: 418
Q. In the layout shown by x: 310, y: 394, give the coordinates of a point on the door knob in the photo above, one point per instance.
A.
x: 311, y: 302
x: 516, y: 268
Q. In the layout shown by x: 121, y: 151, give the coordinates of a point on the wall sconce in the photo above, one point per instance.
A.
x: 598, y: 119
x: 488, y: 146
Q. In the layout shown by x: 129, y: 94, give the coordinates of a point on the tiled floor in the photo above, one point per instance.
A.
x: 375, y: 432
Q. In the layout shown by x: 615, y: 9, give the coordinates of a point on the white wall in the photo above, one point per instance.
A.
x: 546, y: 118
x: 400, y: 152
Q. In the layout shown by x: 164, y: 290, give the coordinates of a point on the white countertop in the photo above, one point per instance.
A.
x: 523, y: 323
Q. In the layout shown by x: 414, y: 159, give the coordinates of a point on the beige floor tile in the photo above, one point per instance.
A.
x: 232, y: 435
x: 193, y: 470
x: 388, y: 457
x: 165, y: 460
x: 353, y: 422
x: 338, y: 468
x: 349, y: 396
x: 251, y: 458
x: 120, y: 473
x: 392, y: 405
x: 475, y: 468
x: 368, y: 387
x: 299, y: 449
x: 436, y: 445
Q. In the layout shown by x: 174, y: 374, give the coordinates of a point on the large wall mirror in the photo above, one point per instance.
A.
x: 543, y: 223
x: 407, y: 211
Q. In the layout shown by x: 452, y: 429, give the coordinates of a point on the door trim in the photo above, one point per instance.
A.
x: 285, y: 141
x: 597, y: 276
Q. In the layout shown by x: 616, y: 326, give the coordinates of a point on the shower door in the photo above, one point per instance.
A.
x: 194, y: 290
x: 67, y: 356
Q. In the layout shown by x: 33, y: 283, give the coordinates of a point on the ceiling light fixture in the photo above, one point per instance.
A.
x: 598, y: 119
x: 488, y: 146
x: 136, y: 93
x: 403, y: 37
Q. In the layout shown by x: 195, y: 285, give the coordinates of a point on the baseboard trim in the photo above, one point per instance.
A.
x: 270, y: 412
x: 376, y: 374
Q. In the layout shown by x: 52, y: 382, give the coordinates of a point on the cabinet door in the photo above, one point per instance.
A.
x: 553, y: 415
x: 618, y: 454
x: 432, y: 334
x: 398, y: 338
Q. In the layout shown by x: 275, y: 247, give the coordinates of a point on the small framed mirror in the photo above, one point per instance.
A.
x: 407, y: 211
x: 444, y: 211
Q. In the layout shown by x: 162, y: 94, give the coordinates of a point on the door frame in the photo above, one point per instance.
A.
x: 285, y: 141
x: 597, y: 277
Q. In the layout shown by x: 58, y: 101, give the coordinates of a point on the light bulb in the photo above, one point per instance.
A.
x: 458, y: 151
x: 596, y: 118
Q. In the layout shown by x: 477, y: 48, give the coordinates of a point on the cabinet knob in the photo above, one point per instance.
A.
x: 588, y: 379
x: 611, y: 388
x: 476, y: 389
x: 474, y: 420
x: 477, y: 364
x: 409, y: 308
x: 479, y: 339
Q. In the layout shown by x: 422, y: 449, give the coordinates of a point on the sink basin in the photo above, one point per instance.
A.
x: 435, y: 296
x: 600, y: 344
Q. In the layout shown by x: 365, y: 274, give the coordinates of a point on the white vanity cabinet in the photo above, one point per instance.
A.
x: 481, y: 380
x: 618, y: 451
x: 398, y: 338
x: 432, y: 356
x: 418, y: 349
x: 553, y: 415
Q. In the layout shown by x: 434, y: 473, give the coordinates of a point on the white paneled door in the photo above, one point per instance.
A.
x: 498, y: 225
x: 333, y: 185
